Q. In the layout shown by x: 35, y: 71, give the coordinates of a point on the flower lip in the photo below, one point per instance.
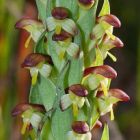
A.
x: 20, y: 108
x: 34, y: 59
x: 27, y: 21
x: 110, y: 19
x: 78, y: 90
x: 86, y: 2
x: 80, y: 127
x: 60, y: 13
x: 117, y: 93
x: 61, y: 37
x: 103, y: 70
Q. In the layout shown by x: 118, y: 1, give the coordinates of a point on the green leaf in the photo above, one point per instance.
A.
x: 105, y: 135
x: 75, y: 71
x: 84, y: 18
x: 47, y: 91
x: 46, y: 133
x: 42, y: 5
x: 61, y: 124
x: 105, y: 9
x: 61, y: 121
x: 34, y: 95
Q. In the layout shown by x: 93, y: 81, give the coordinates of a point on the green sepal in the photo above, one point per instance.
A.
x: 105, y: 8
x: 105, y: 135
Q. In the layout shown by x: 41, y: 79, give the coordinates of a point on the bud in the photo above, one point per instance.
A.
x: 110, y: 19
x: 34, y: 59
x: 119, y: 94
x: 103, y: 70
x: 80, y: 127
x: 60, y: 13
x: 86, y: 4
x: 61, y: 37
x: 78, y: 90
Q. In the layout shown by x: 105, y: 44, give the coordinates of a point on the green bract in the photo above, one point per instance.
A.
x: 70, y: 82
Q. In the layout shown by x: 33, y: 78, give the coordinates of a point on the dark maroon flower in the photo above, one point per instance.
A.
x: 117, y: 93
x: 114, y: 43
x: 61, y: 37
x: 121, y: 95
x: 110, y: 19
x: 60, y: 13
x: 78, y: 90
x: 86, y: 2
x: 80, y: 127
x: 34, y: 59
x: 103, y: 70
x: 20, y: 108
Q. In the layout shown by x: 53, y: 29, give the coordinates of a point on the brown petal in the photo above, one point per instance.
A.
x: 80, y: 127
x: 34, y: 59
x: 60, y: 13
x: 78, y: 90
x: 61, y: 37
x: 110, y: 19
x: 27, y: 21
x: 103, y: 70
x: 86, y: 2
x: 20, y: 108
x: 117, y: 93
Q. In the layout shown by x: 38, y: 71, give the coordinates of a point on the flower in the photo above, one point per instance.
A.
x: 80, y: 131
x: 105, y: 103
x: 34, y: 27
x: 104, y: 26
x: 36, y: 63
x: 60, y: 20
x: 108, y: 44
x: 65, y: 45
x: 98, y: 76
x: 76, y: 96
x: 31, y: 114
x: 86, y: 4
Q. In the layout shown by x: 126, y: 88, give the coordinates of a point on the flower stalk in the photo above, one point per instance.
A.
x: 70, y: 84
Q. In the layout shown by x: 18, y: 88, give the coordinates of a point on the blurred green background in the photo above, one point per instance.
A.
x: 14, y: 83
